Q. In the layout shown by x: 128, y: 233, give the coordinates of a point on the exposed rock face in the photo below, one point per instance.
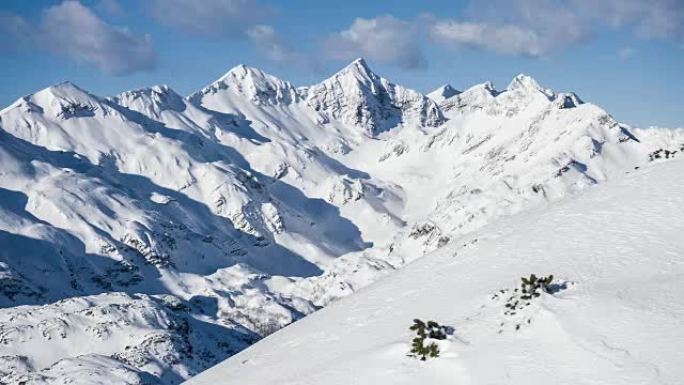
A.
x: 359, y: 97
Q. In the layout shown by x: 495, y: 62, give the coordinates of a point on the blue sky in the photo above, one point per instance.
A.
x: 624, y: 55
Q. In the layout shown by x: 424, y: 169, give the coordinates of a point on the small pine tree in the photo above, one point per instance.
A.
x: 431, y: 330
x: 436, y: 331
x: 433, y: 350
x: 530, y: 286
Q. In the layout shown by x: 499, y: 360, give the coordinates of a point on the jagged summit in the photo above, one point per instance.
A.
x: 476, y: 96
x: 526, y: 83
x: 358, y: 69
x: 566, y: 100
x: 63, y: 99
x: 160, y: 89
x: 357, y: 96
x: 258, y: 86
x: 361, y: 62
x: 152, y: 100
x: 522, y: 81
x: 351, y: 77
x: 442, y: 93
x: 487, y: 87
x: 64, y: 90
x: 242, y: 71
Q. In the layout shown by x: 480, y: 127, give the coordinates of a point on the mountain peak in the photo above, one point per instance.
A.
x: 65, y: 88
x: 250, y: 82
x: 161, y: 89
x: 442, y: 93
x: 63, y: 100
x: 151, y: 100
x: 527, y: 83
x: 476, y: 96
x: 357, y: 96
x: 242, y: 71
x: 361, y: 65
x: 360, y: 61
x: 358, y: 70
x: 522, y: 81
x: 63, y: 93
x: 486, y: 88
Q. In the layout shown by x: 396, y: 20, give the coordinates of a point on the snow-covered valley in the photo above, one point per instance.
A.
x: 147, y: 237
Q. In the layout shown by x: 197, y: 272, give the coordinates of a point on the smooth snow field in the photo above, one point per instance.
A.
x: 616, y: 316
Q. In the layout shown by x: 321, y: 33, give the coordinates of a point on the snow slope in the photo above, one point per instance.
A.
x: 616, y: 317
x: 252, y: 203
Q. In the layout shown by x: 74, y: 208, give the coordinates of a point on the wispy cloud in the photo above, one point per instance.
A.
x: 535, y: 28
x: 660, y: 19
x: 227, y: 19
x: 218, y: 18
x: 72, y: 30
x: 561, y: 23
x: 14, y: 25
x: 518, y: 27
x: 506, y: 39
x: 272, y: 44
x: 385, y: 39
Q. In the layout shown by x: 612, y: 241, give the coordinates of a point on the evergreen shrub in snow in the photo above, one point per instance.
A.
x: 531, y: 286
x: 431, y: 330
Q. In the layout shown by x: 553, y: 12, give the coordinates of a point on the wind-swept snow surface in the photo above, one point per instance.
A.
x: 615, y: 315
x: 156, y: 235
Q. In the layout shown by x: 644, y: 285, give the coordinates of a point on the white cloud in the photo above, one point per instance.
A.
x: 653, y: 18
x: 525, y: 27
x: 73, y: 31
x: 506, y: 39
x: 564, y: 22
x: 540, y: 27
x: 384, y: 38
x: 227, y: 18
x: 269, y: 42
x: 235, y: 19
x: 12, y: 23
x: 661, y: 19
x: 516, y: 27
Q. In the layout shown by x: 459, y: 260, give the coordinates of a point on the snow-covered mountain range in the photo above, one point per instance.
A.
x: 148, y: 236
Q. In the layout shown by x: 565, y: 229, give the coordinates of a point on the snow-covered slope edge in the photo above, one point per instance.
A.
x: 616, y: 251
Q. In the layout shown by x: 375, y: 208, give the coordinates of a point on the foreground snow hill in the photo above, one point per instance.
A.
x: 146, y: 237
x: 615, y: 315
